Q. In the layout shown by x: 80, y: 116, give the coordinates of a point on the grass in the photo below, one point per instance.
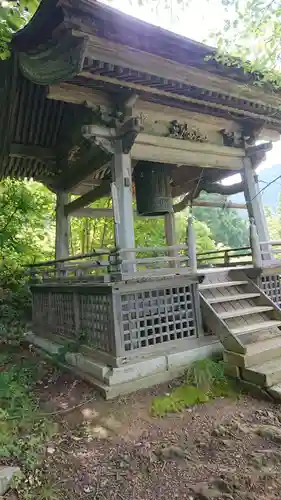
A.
x: 24, y: 431
x: 204, y: 380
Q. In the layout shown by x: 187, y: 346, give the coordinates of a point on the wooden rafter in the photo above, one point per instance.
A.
x: 165, y: 93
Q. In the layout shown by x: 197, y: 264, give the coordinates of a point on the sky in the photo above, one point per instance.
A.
x: 195, y: 23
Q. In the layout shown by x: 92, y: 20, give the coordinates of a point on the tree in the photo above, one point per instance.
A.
x: 273, y: 219
x: 13, y: 16
x: 225, y: 225
x: 26, y: 221
x: 249, y: 36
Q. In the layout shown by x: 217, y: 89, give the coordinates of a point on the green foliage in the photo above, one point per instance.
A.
x: 15, y: 301
x: 273, y: 218
x: 225, y: 225
x: 180, y: 398
x: 250, y: 39
x: 204, y: 380
x: 26, y: 235
x: 26, y: 221
x: 208, y: 376
x: 204, y: 239
x: 24, y: 432
x: 13, y: 16
x: 248, y: 34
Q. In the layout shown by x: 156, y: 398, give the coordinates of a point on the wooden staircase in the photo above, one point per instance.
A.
x: 248, y: 325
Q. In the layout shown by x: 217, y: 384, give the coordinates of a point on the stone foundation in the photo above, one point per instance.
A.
x: 132, y: 376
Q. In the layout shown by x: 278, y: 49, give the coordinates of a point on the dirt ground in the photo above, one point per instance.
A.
x: 225, y: 449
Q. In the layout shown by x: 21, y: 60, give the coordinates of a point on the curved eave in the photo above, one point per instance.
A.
x: 61, y: 60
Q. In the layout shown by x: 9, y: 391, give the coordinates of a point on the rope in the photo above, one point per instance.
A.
x: 265, y: 187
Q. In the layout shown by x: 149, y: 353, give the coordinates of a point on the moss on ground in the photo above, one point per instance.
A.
x: 204, y: 380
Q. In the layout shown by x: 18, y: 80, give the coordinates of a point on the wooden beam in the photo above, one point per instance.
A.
x: 108, y: 212
x: 87, y: 198
x: 190, y: 146
x: 26, y: 151
x: 76, y: 94
x: 94, y: 213
x: 173, y: 95
x: 220, y: 204
x: 260, y: 148
x: 87, y: 165
x: 186, y: 157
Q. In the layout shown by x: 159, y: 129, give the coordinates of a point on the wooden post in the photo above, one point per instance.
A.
x: 62, y: 227
x: 191, y: 242
x: 122, y: 201
x: 255, y: 245
x: 170, y: 235
x: 255, y: 205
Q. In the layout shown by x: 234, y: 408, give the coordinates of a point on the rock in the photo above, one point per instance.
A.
x: 172, y: 452
x: 219, y: 431
x: 269, y: 432
x: 266, y: 416
x: 226, y: 442
x: 204, y: 492
x: 222, y: 485
x: 6, y: 476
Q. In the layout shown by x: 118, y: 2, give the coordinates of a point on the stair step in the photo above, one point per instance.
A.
x: 265, y: 375
x: 255, y: 327
x: 258, y: 352
x: 275, y: 391
x: 245, y: 312
x: 229, y: 298
x: 220, y: 284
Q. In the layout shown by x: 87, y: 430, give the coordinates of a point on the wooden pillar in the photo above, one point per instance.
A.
x: 255, y: 245
x: 62, y: 227
x: 170, y: 235
x: 191, y: 243
x: 122, y: 201
x: 254, y: 203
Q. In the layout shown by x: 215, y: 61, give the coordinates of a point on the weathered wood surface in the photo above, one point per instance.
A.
x: 128, y: 57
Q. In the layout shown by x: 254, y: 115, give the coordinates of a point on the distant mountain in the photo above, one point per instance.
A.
x: 270, y: 194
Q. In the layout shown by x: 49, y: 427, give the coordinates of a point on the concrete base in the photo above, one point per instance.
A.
x: 113, y: 382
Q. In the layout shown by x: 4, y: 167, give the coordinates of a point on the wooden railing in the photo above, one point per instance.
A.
x: 155, y: 260
x: 93, y: 265
x: 108, y: 264
x: 270, y: 250
x: 225, y: 257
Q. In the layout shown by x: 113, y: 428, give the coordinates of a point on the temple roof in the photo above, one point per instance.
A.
x: 92, y: 46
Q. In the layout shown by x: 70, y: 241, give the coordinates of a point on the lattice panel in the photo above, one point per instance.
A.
x: 157, y: 316
x: 61, y: 320
x: 96, y: 320
x: 271, y: 285
x: 40, y: 308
